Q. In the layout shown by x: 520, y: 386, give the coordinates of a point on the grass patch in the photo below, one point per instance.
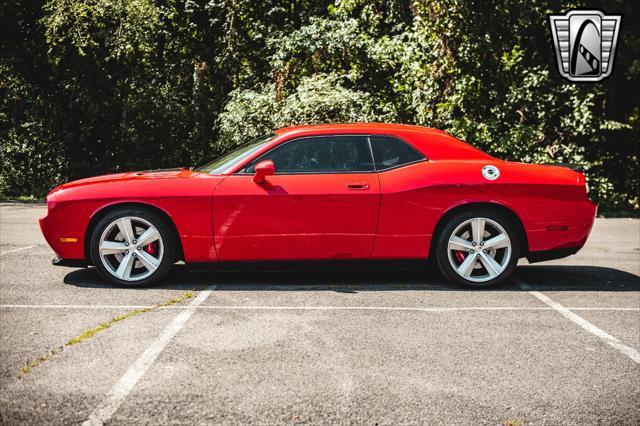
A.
x: 23, y: 199
x: 90, y: 332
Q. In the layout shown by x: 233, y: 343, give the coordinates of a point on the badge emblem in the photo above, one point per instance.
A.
x: 585, y: 43
x: 490, y: 172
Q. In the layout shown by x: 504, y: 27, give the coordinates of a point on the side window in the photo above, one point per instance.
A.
x: 324, y: 154
x: 391, y: 152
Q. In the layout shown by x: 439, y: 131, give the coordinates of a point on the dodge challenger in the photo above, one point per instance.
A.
x: 326, y: 192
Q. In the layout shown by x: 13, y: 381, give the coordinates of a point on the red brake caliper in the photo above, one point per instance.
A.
x: 460, y: 256
x: 152, y: 248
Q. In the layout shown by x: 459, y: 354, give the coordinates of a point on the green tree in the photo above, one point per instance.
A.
x: 98, y: 86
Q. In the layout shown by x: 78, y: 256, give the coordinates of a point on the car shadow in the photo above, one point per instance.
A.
x: 372, y: 278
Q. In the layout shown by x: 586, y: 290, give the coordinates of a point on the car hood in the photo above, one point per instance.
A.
x: 132, y: 176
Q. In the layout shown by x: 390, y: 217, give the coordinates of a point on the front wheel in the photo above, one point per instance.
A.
x: 478, y: 248
x: 132, y: 247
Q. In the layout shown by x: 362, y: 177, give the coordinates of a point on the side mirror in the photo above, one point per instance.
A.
x: 264, y: 169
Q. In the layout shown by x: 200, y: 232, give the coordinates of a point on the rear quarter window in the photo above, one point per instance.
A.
x: 390, y: 152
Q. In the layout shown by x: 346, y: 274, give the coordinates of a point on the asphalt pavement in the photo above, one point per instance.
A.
x: 557, y: 345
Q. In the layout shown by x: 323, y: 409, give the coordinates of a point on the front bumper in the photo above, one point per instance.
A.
x: 62, y: 235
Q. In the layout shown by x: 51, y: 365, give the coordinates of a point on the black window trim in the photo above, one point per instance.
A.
x: 243, y: 172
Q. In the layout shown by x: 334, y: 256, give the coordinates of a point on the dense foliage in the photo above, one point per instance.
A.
x: 97, y: 86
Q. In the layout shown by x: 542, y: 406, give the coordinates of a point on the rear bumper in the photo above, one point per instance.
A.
x: 541, y: 256
x: 563, y: 236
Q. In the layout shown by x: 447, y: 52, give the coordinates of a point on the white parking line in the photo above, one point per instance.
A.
x: 18, y: 249
x: 127, y: 382
x: 85, y: 307
x: 591, y: 328
x: 321, y: 308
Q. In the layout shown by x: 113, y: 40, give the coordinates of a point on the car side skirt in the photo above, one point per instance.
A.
x: 71, y: 263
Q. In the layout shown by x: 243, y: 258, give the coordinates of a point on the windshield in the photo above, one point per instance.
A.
x: 221, y: 164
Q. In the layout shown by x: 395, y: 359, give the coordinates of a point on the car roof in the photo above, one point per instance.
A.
x: 356, y: 127
x: 433, y: 143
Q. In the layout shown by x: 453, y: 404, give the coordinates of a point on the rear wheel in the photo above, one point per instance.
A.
x: 478, y: 248
x: 132, y: 247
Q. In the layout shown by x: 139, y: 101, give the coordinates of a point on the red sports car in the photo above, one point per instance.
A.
x: 348, y: 191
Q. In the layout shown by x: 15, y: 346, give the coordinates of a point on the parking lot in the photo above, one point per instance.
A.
x: 558, y: 345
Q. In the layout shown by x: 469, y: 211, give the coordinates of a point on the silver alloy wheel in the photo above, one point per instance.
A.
x: 131, y: 248
x: 479, y: 249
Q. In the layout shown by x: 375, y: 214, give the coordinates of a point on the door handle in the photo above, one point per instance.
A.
x: 358, y: 185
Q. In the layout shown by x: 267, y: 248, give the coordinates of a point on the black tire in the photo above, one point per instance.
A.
x: 166, y: 233
x: 442, y: 247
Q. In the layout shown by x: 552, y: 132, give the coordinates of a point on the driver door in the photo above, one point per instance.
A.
x: 322, y: 203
